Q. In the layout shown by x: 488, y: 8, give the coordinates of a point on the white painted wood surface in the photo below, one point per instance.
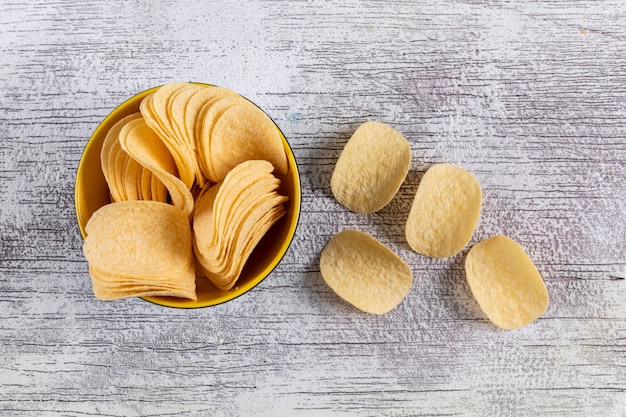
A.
x: 528, y: 95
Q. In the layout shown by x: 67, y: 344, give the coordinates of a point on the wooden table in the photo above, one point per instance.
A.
x: 527, y: 95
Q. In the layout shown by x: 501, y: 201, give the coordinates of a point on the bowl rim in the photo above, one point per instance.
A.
x: 226, y: 296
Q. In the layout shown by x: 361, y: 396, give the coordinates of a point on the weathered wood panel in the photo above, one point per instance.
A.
x: 529, y: 96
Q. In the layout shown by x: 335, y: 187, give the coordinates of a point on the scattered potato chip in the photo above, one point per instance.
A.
x: 231, y: 217
x: 505, y: 282
x: 137, y: 248
x: 371, y: 168
x: 364, y: 272
x: 444, y: 212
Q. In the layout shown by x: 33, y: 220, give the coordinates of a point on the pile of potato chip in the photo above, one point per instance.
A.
x: 191, y: 179
x: 443, y: 216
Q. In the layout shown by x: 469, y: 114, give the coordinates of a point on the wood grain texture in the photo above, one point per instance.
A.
x: 527, y: 95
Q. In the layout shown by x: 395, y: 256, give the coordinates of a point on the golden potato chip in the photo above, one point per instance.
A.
x: 197, y: 102
x: 224, y: 274
x: 157, y: 189
x: 209, y: 114
x: 231, y: 217
x: 153, y: 108
x: 138, y: 238
x: 126, y: 178
x: 240, y: 188
x: 243, y: 132
x: 203, y: 219
x: 505, y: 282
x: 109, y: 154
x: 230, y: 202
x: 444, y: 212
x: 142, y: 143
x: 364, y: 272
x: 160, y: 105
x: 177, y: 105
x: 112, y: 292
x: 131, y: 179
x: 231, y: 248
x: 371, y: 168
x: 140, y: 248
x: 119, y: 173
x: 145, y: 187
x: 196, y: 107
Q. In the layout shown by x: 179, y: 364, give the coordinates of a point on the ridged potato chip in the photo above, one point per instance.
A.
x: 142, y: 143
x: 138, y: 248
x: 242, y: 132
x: 209, y: 114
x: 444, y: 212
x: 126, y: 178
x: 505, y: 282
x: 153, y: 108
x: 231, y: 217
x: 364, y: 272
x: 371, y: 168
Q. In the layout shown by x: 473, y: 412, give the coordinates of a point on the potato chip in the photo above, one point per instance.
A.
x: 142, y: 143
x: 505, y: 282
x: 231, y: 217
x: 198, y: 101
x: 157, y: 233
x: 177, y: 105
x: 209, y: 114
x: 145, y: 186
x: 195, y: 107
x: 131, y: 179
x: 243, y: 132
x: 444, y: 212
x: 154, y: 110
x: 140, y: 248
x: 371, y: 168
x: 126, y: 178
x: 109, y: 154
x: 364, y: 272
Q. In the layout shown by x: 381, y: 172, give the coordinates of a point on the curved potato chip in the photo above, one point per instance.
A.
x: 162, y: 128
x: 225, y: 274
x: 142, y: 143
x: 231, y: 217
x: 194, y: 108
x: 109, y: 152
x: 197, y: 101
x: 160, y: 106
x: 505, y: 282
x: 242, y: 180
x: 444, y: 212
x: 138, y: 238
x: 364, y: 272
x: 371, y: 168
x: 209, y: 114
x: 132, y: 176
x: 177, y: 104
x: 242, y: 133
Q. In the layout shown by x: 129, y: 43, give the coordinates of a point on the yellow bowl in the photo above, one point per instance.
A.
x: 91, y: 192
